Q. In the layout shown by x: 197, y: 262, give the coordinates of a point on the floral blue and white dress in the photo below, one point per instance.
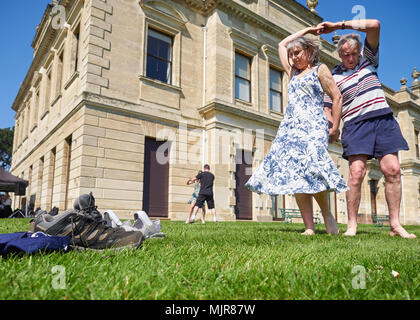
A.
x: 298, y: 160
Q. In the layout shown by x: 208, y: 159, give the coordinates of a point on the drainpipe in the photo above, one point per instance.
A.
x: 203, y: 132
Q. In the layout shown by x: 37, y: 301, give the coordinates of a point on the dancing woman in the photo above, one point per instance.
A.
x: 298, y: 162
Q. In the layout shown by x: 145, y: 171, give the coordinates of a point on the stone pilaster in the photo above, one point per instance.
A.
x: 97, y: 25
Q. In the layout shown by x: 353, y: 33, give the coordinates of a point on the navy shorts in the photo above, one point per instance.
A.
x: 205, y: 198
x: 374, y: 137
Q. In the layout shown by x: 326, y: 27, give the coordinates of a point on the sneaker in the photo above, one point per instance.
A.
x: 111, y: 219
x: 143, y: 217
x: 149, y: 230
x: 86, y: 205
x: 127, y: 226
x: 85, y: 232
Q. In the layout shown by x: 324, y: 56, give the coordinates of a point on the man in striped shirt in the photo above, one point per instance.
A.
x: 369, y: 128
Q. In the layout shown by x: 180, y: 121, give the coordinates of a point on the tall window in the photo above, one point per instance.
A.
x: 416, y: 142
x: 275, y: 90
x: 59, y: 74
x: 68, y: 162
x: 76, y: 48
x: 332, y: 203
x: 35, y: 109
x: 22, y: 128
x: 51, y: 181
x: 373, y: 184
x: 48, y: 91
x: 277, y: 202
x: 242, y: 77
x: 40, y: 179
x: 159, y: 56
x: 29, y: 119
x: 30, y: 188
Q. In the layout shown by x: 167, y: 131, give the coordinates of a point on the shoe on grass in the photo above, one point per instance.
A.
x: 85, y: 204
x: 111, y: 219
x: 85, y: 232
x: 150, y: 229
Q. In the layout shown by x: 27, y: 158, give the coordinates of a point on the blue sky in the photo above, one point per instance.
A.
x: 400, y: 45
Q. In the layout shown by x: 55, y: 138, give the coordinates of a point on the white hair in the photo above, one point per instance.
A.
x: 352, y: 39
x: 306, y: 44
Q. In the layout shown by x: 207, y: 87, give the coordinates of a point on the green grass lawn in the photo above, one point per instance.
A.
x: 227, y: 260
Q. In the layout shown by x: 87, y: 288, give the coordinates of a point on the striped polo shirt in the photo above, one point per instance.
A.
x: 363, y: 97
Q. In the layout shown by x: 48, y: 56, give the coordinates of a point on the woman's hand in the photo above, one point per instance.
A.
x: 334, y: 135
x: 330, y: 88
x: 283, y: 54
x: 317, y: 30
x: 328, y: 27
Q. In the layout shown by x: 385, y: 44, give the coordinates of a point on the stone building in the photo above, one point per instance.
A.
x: 127, y: 99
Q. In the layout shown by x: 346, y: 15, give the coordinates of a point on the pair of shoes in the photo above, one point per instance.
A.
x: 86, y: 232
x: 150, y: 229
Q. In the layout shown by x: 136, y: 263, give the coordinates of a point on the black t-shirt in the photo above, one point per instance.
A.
x: 206, y: 180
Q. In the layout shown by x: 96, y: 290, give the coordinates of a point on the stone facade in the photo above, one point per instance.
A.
x: 87, y: 105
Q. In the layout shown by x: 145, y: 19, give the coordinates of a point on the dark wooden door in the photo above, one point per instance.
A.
x: 243, y: 208
x: 156, y: 179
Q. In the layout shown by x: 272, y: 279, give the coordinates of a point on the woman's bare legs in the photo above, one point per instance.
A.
x: 304, y: 203
x: 190, y: 213
x: 330, y: 223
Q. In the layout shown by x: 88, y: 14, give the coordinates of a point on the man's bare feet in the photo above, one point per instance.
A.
x: 308, y: 232
x: 351, y: 232
x: 401, y: 232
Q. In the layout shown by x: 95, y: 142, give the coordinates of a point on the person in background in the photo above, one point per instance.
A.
x: 193, y: 200
x: 206, y: 192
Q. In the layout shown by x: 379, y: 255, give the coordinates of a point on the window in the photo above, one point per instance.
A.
x: 59, y: 74
x: 22, y: 133
x: 416, y: 143
x: 36, y: 108
x: 373, y: 184
x: 242, y: 77
x: 76, y: 47
x: 275, y: 90
x: 159, y: 56
x: 277, y: 202
x: 40, y: 179
x: 68, y: 143
x: 48, y: 91
x: 332, y: 204
x: 51, y: 181
x: 28, y: 124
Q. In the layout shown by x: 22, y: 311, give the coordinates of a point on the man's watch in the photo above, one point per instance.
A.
x: 343, y: 25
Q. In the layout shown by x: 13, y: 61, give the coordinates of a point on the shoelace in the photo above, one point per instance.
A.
x: 93, y: 225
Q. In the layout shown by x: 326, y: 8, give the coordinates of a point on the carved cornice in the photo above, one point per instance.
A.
x: 202, y: 6
x: 161, y: 9
x: 411, y: 167
x: 215, y: 107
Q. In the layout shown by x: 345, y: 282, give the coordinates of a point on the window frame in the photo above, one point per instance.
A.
x: 147, y: 55
x: 249, y: 81
x: 270, y: 89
